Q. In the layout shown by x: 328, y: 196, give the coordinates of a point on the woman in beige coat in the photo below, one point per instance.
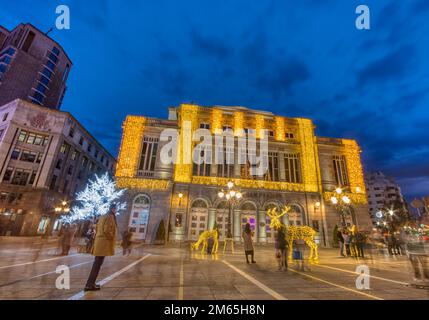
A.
x: 248, y: 243
x: 104, y: 245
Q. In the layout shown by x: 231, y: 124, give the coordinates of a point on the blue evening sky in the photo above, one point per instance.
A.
x: 295, y: 58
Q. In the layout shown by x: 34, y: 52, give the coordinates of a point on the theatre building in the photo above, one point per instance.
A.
x: 303, y: 173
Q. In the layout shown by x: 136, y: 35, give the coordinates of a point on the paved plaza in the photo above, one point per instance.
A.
x: 28, y: 271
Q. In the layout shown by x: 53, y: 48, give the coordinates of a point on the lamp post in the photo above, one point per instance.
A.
x: 342, y: 202
x: 231, y: 195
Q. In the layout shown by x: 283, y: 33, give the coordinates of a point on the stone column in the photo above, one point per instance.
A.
x: 236, y: 225
x: 212, y: 218
x: 262, y: 231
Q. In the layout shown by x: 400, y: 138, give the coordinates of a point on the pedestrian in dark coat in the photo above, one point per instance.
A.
x: 104, y: 245
x: 248, y: 244
x: 283, y: 248
x: 341, y: 242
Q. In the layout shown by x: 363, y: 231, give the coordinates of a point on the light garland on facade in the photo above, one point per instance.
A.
x: 129, y: 152
x: 238, y: 123
x: 311, y: 175
x: 250, y: 184
x: 356, y: 198
x: 259, y: 126
x: 139, y: 183
x: 354, y: 166
x: 216, y: 124
x: 280, y: 128
x: 183, y: 171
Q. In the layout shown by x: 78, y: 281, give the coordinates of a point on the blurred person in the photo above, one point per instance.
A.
x: 67, y: 238
x: 417, y: 254
x: 89, y: 236
x: 340, y: 242
x: 126, y: 242
x: 346, y: 237
x: 360, y: 244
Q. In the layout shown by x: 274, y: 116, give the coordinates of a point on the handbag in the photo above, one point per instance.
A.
x: 278, y: 254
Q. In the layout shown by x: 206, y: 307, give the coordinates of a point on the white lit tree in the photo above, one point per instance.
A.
x: 96, y: 200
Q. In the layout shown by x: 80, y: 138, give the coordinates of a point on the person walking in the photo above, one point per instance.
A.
x: 282, y: 248
x: 360, y: 244
x: 417, y: 254
x: 89, y: 236
x: 346, y: 237
x: 68, y: 237
x: 126, y: 242
x: 341, y: 242
x: 104, y: 245
x: 248, y: 244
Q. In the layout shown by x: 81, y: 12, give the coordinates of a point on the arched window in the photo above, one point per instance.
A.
x: 139, y: 217
x: 248, y: 215
x: 198, y: 221
x: 296, y: 215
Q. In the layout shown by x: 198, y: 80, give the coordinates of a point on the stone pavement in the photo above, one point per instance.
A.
x: 28, y: 271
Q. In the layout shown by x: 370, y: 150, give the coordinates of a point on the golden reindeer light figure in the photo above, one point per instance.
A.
x: 275, y: 217
x: 305, y: 233
x: 204, y: 237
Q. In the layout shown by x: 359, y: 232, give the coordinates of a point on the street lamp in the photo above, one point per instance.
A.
x: 231, y: 195
x: 341, y: 202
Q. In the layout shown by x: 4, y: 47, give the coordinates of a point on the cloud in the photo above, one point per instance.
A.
x: 393, y: 65
x: 206, y: 46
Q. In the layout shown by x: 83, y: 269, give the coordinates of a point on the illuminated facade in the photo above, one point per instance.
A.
x: 303, y: 172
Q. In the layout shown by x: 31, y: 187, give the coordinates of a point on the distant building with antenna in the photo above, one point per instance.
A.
x: 33, y: 67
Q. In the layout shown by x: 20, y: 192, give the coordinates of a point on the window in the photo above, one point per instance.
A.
x: 89, y: 147
x: 22, y: 136
x: 71, y: 132
x: 81, y: 140
x: 8, y: 174
x: 204, y: 126
x: 53, y: 57
x: 46, y: 72
x: 75, y: 155
x: 59, y: 164
x: 37, y: 97
x: 102, y: 159
x: 28, y: 41
x: 203, y: 169
x: 39, y: 158
x: 271, y: 133
x: 289, y: 135
x: 1, y: 133
x: 32, y: 177
x: 53, y: 182
x: 96, y: 154
x: 148, y: 155
x: 56, y: 51
x: 20, y: 177
x: 273, y: 167
x: 28, y: 156
x: 15, y: 154
x: 70, y: 170
x: 227, y: 128
x: 64, y: 148
x: 44, y: 80
x: 84, y: 162
x: 293, y: 168
x: 340, y: 170
x: 5, y: 116
x: 226, y: 169
x: 41, y: 88
x: 50, y: 65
